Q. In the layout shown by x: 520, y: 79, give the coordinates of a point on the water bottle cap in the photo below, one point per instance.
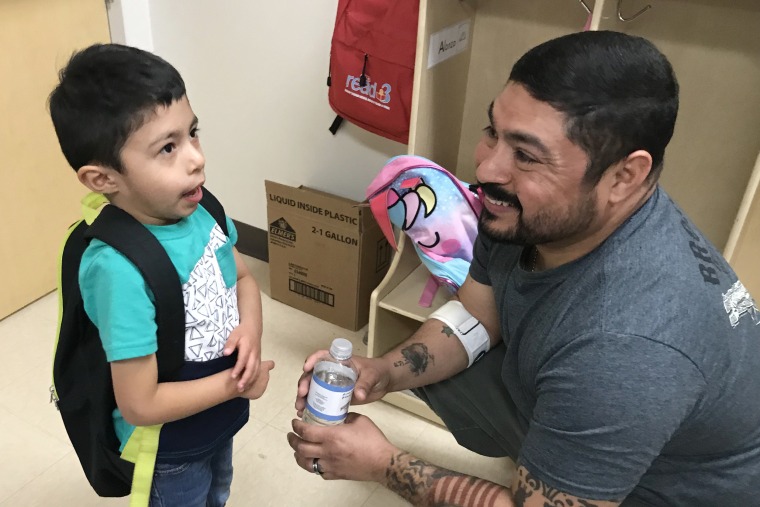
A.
x: 341, y: 349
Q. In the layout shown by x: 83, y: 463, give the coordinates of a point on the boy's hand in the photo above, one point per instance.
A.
x: 248, y: 344
x: 259, y: 385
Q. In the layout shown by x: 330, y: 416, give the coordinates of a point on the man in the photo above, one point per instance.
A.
x: 625, y: 352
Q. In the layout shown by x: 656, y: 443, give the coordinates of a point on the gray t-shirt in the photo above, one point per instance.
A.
x: 636, y: 367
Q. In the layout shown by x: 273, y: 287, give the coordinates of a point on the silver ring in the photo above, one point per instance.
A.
x: 315, y: 467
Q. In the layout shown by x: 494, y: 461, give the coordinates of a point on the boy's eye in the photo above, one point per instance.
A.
x: 168, y: 148
x: 194, y: 132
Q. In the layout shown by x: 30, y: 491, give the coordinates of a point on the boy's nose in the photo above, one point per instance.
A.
x: 197, y: 160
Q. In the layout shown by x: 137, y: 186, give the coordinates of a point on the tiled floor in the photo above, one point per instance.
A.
x: 39, y: 468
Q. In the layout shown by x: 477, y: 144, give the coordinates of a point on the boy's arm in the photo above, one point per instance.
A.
x: 247, y: 336
x: 143, y: 401
x: 117, y: 302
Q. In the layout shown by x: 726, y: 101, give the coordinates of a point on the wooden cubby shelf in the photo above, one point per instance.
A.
x: 714, y: 49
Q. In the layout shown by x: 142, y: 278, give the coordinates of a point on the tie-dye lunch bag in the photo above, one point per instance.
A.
x: 438, y: 212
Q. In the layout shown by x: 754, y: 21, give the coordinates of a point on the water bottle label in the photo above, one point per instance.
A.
x: 327, y: 401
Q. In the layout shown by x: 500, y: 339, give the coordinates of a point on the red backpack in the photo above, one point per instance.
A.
x: 372, y: 65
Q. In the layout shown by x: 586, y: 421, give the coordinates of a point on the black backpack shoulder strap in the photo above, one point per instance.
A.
x: 120, y: 230
x: 215, y: 209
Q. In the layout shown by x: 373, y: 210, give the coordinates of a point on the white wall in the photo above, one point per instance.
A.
x: 129, y: 22
x: 256, y: 77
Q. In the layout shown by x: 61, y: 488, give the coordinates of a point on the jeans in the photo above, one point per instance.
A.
x: 202, y: 483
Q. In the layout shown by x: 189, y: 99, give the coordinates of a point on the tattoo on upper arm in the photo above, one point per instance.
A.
x: 417, y: 357
x: 424, y: 484
x: 448, y: 331
x: 528, y: 486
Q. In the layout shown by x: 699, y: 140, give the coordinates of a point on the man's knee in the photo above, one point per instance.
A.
x: 477, y: 409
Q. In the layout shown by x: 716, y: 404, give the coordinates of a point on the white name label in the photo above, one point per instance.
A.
x: 448, y: 42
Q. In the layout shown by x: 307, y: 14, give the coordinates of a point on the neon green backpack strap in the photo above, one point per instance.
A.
x: 141, y: 449
x: 91, y: 206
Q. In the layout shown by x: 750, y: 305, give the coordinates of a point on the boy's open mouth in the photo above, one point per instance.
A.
x: 194, y: 195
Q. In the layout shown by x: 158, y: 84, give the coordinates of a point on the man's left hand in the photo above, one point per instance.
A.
x: 356, y: 450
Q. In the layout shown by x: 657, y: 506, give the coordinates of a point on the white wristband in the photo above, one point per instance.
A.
x: 468, y: 329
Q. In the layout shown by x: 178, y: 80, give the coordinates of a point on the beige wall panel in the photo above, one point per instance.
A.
x: 504, y: 31
x: 437, y: 103
x: 714, y: 47
x: 39, y: 197
x: 746, y: 261
x: 743, y: 248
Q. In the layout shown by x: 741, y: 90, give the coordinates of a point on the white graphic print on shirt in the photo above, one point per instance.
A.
x: 738, y: 302
x: 211, y: 310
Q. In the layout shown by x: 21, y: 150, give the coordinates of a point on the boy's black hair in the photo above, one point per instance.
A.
x: 618, y: 93
x: 105, y: 93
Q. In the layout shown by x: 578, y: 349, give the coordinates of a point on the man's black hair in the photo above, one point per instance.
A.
x: 618, y: 93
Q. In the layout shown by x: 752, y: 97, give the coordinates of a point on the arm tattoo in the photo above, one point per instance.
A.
x: 467, y: 491
x: 528, y: 485
x: 448, y: 331
x: 426, y: 485
x: 417, y: 357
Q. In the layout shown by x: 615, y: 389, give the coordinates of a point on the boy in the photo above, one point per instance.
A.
x: 125, y: 125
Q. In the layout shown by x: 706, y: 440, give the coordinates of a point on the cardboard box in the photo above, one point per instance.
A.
x: 326, y: 253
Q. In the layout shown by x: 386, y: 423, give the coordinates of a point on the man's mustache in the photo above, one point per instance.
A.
x: 497, y: 193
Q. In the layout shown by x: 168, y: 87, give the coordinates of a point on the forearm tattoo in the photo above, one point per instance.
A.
x: 422, y: 484
x: 417, y: 357
x: 529, y: 485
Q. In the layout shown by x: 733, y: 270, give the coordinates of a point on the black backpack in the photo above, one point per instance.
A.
x: 82, y: 388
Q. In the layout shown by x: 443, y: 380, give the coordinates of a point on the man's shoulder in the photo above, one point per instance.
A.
x: 667, y: 282
x: 661, y: 245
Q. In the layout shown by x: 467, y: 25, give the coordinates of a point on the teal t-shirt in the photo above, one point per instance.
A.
x: 120, y: 304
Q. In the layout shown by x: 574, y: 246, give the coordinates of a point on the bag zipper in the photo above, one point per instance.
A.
x: 363, y: 77
x: 54, y: 397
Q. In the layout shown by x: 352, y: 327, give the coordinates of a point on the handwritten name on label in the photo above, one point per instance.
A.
x: 448, y: 42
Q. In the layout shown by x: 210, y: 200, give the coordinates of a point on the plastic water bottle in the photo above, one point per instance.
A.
x: 332, y: 384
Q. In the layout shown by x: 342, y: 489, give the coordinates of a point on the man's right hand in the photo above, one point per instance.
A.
x: 371, y: 385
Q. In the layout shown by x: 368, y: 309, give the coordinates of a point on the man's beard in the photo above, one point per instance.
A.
x: 546, y: 226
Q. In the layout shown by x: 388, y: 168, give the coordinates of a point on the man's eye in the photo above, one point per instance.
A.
x: 490, y: 132
x: 168, y: 148
x: 523, y: 157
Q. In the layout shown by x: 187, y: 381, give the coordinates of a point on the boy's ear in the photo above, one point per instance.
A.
x: 630, y: 174
x: 98, y: 178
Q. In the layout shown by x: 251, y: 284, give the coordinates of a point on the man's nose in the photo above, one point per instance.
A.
x: 494, y: 164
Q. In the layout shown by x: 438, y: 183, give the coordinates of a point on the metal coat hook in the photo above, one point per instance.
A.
x: 620, y: 15
x: 588, y: 9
